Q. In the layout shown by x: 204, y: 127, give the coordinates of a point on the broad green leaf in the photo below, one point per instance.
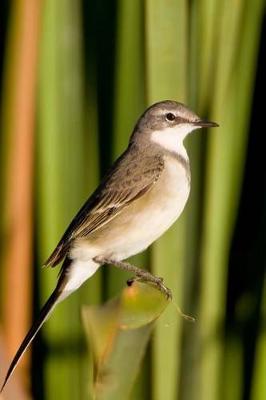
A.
x: 129, y: 103
x: 225, y: 162
x: 129, y: 96
x: 118, y: 333
x: 166, y: 44
x: 61, y: 180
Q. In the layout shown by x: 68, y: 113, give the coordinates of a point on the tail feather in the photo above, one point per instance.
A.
x: 71, y: 276
x: 57, y: 255
x: 57, y: 295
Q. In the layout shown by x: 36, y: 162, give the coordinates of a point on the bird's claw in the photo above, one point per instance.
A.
x: 166, y: 291
x: 156, y: 281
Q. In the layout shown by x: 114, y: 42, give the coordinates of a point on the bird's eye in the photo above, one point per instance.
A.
x: 170, y: 117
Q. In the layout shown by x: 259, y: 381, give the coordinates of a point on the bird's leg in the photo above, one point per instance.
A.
x: 140, y: 273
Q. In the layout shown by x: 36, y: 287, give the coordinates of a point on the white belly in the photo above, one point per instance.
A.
x: 144, y: 221
x: 136, y: 227
x: 166, y: 202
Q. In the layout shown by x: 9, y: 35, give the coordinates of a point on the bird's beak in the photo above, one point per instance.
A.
x: 202, y: 123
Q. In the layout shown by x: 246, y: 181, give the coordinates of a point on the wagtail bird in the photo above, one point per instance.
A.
x: 141, y: 196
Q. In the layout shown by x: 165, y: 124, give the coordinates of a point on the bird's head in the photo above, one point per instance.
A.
x: 167, y: 123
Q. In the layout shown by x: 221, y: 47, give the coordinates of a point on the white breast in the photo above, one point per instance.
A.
x: 138, y: 226
x: 165, y: 204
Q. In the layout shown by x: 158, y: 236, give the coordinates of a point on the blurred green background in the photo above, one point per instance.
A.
x: 75, y: 76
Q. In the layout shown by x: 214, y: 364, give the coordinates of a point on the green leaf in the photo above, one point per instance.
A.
x: 166, y: 78
x: 61, y: 177
x: 237, y: 49
x: 118, y: 333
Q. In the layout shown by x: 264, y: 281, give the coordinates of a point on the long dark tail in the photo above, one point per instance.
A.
x: 48, y: 307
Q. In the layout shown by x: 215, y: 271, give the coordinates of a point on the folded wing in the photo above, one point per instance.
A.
x: 127, y: 180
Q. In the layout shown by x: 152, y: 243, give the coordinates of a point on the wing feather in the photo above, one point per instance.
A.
x: 126, y: 182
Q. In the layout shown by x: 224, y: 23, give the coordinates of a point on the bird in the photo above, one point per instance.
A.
x: 140, y: 197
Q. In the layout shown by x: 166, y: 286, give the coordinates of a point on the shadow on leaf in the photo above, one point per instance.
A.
x: 118, y: 333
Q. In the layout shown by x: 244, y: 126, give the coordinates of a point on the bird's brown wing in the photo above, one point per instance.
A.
x: 129, y: 178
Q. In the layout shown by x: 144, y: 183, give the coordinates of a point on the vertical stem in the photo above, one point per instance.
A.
x: 18, y: 125
x: 166, y: 78
x: 60, y: 185
x: 225, y: 159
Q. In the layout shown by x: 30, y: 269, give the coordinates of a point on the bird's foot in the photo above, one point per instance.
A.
x: 155, y: 280
x: 140, y: 274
